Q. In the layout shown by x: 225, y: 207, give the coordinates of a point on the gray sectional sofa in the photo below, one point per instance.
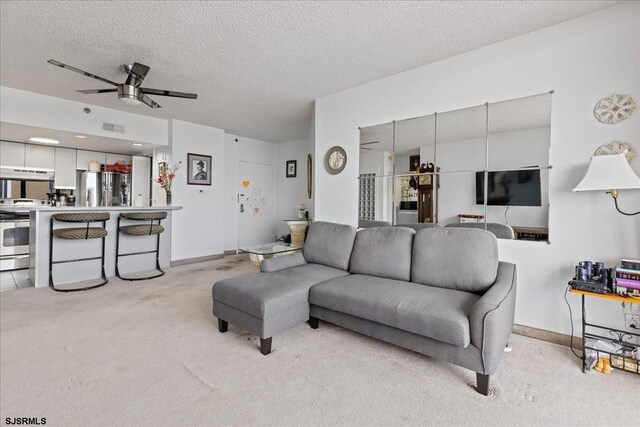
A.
x: 441, y: 292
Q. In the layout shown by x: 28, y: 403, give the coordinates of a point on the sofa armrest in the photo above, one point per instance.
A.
x: 282, y: 262
x: 491, y: 317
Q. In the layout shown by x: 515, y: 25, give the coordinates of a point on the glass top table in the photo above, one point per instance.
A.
x: 267, y: 250
x: 270, y: 248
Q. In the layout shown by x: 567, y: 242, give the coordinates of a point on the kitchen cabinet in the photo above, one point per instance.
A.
x: 65, y: 169
x: 83, y: 158
x: 12, y: 154
x: 38, y: 156
x: 118, y: 158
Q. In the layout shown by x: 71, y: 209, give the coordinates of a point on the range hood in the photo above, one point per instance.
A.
x: 28, y: 174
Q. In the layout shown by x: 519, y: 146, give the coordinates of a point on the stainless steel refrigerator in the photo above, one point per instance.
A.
x: 104, y: 189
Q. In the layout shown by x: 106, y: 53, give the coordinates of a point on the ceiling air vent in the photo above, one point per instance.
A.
x: 112, y: 127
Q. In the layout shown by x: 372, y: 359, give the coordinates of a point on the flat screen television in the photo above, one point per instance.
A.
x: 510, y: 188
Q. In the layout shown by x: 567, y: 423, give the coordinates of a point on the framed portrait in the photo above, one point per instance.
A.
x: 198, y: 169
x: 292, y: 168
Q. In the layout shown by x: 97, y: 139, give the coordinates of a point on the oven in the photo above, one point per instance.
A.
x: 14, y: 240
x: 14, y: 232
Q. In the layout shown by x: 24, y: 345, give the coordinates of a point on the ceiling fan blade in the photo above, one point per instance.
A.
x: 88, y: 91
x: 138, y: 72
x: 150, y: 102
x: 169, y: 93
x: 77, y: 70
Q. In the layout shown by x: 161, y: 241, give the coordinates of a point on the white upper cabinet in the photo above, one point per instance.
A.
x: 84, y: 157
x: 11, y: 154
x: 118, y: 158
x: 38, y: 156
x: 65, y: 169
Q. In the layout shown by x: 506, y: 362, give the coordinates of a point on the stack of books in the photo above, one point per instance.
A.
x: 627, y: 280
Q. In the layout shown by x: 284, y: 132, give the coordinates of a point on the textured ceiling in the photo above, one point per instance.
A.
x: 256, y: 66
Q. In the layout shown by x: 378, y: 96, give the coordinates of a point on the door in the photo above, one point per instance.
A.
x: 256, y: 204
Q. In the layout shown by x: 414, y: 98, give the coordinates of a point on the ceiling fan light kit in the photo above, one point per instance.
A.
x: 131, y: 92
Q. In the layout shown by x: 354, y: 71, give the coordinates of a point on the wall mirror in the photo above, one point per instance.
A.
x: 483, y: 167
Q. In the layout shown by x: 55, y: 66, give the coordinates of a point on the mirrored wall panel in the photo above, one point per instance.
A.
x: 482, y: 167
x: 462, y: 140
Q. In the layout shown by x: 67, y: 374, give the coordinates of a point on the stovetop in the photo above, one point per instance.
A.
x: 22, y: 202
x: 19, y: 208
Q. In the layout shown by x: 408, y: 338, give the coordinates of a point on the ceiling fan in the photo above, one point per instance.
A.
x: 130, y: 92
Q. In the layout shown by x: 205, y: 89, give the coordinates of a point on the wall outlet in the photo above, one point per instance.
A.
x: 631, y: 321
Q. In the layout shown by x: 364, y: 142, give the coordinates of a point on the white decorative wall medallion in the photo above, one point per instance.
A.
x: 614, y: 108
x: 616, y: 147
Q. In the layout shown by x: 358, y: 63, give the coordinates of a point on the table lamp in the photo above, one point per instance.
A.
x: 610, y: 173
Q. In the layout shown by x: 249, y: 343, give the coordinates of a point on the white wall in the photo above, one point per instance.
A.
x: 247, y: 150
x: 583, y: 60
x: 290, y: 191
x: 33, y: 109
x: 198, y: 229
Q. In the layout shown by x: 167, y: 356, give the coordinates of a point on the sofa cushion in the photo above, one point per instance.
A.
x: 262, y: 294
x: 383, y: 252
x: 436, y: 313
x: 329, y: 244
x: 455, y: 258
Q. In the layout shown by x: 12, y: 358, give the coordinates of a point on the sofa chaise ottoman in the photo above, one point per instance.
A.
x: 440, y: 292
x: 277, y: 298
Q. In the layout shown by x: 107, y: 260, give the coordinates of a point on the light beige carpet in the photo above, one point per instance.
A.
x: 149, y: 353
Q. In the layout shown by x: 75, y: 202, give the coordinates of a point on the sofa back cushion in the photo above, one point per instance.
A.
x: 383, y: 252
x: 455, y: 258
x: 329, y: 244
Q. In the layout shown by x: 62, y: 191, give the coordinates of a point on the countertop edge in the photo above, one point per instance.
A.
x: 98, y: 208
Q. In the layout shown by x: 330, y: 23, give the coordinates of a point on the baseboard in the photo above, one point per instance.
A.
x: 185, y: 261
x: 230, y: 252
x: 544, y: 335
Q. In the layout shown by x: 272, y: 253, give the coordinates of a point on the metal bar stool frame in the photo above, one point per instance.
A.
x: 61, y: 218
x: 141, y: 217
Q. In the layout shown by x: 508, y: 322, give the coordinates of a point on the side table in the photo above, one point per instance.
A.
x: 298, y: 229
x: 624, y: 360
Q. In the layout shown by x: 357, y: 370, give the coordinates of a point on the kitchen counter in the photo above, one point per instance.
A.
x: 40, y: 232
x: 86, y: 208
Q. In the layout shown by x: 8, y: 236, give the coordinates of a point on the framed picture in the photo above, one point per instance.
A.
x: 198, y: 169
x: 292, y: 168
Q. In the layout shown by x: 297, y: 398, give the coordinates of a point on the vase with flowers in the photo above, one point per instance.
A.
x: 302, y: 211
x: 166, y: 174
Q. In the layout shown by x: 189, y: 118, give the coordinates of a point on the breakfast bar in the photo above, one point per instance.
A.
x: 39, y: 241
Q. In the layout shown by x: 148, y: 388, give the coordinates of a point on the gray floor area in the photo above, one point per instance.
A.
x: 149, y: 353
x: 12, y: 280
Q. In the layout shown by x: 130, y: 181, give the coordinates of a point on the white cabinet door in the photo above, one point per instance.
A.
x: 84, y: 157
x: 38, y: 156
x: 11, y: 154
x: 118, y: 158
x: 65, y: 170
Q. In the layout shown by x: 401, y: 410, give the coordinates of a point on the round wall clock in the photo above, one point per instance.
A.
x: 616, y: 147
x: 335, y: 160
x: 614, y: 108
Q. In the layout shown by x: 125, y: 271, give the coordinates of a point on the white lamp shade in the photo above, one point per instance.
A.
x: 609, y: 172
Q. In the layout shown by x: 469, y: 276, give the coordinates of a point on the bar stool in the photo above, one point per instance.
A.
x: 140, y: 230
x: 78, y: 233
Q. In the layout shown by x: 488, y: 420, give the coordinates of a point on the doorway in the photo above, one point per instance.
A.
x: 256, y: 204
